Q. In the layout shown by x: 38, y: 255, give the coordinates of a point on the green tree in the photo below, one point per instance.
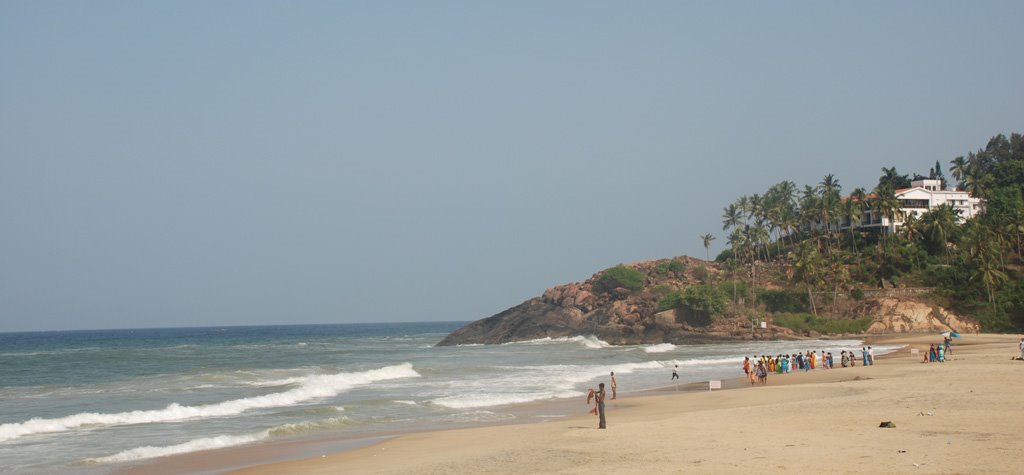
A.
x: 892, y: 179
x: 807, y: 268
x: 732, y: 217
x: 888, y: 206
x: 707, y: 238
x: 936, y: 174
x: 939, y: 223
x: 620, y: 276
x: 990, y: 275
x: 851, y: 210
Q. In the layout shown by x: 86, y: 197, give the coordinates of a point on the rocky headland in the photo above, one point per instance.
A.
x: 621, y: 316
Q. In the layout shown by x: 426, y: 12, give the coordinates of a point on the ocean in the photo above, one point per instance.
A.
x: 92, y: 402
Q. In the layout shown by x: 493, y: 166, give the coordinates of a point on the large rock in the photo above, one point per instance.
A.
x: 894, y: 315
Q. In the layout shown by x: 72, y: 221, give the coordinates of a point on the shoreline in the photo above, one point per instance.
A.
x: 274, y: 457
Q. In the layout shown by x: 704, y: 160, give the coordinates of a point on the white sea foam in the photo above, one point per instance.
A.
x: 627, y: 368
x: 660, y: 348
x: 589, y: 341
x: 206, y: 443
x: 311, y: 387
x: 278, y: 382
x: 709, y: 361
x: 499, y: 399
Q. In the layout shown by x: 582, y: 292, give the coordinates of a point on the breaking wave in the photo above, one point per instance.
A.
x: 589, y: 341
x: 309, y: 388
x: 206, y: 443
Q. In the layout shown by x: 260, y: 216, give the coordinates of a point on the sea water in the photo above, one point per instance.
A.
x: 93, y: 401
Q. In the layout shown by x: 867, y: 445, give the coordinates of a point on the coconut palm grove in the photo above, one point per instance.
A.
x: 972, y: 265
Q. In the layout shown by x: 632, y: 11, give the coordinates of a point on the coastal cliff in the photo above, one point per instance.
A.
x: 623, y: 316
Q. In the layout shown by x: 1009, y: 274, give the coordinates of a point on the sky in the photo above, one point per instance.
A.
x: 196, y: 163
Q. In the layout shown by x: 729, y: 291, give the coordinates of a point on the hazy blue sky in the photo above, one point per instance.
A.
x: 223, y: 163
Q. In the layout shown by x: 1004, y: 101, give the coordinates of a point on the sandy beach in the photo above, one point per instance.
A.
x: 962, y: 416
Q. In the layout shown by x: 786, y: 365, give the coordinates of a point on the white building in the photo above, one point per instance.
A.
x: 922, y: 196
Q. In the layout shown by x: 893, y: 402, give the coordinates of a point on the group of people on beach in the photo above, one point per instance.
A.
x: 757, y: 369
x: 937, y: 353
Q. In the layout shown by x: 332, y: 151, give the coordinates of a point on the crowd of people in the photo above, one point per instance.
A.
x: 758, y: 368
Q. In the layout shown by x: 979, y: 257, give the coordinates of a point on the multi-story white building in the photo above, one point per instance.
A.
x: 922, y: 196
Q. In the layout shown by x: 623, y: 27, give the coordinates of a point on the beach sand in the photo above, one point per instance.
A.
x: 962, y: 416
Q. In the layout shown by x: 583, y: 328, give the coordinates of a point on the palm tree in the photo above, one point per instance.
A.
x: 888, y: 205
x: 807, y: 269
x: 989, y: 275
x: 840, y: 276
x: 892, y: 178
x: 959, y: 171
x: 732, y: 218
x: 707, y: 238
x: 830, y: 189
x: 911, y: 230
x: 1015, y: 226
x: 738, y: 242
x: 939, y: 222
x: 810, y: 209
x: 851, y: 209
x: 983, y: 250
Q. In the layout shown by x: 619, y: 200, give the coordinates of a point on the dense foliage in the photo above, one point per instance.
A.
x: 620, y: 276
x: 802, y: 322
x: 704, y: 300
x: 974, y: 266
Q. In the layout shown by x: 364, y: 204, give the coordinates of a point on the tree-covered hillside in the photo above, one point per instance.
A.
x: 973, y: 266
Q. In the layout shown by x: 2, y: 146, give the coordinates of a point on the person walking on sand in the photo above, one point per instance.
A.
x: 615, y: 385
x: 871, y: 356
x: 1022, y: 348
x: 599, y: 397
x: 675, y: 373
x: 864, y: 355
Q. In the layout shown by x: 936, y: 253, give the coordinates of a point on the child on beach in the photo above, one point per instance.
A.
x: 762, y: 373
x: 590, y: 397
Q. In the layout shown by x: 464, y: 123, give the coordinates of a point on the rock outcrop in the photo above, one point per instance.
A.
x: 618, y: 316
x: 623, y: 317
x: 893, y: 315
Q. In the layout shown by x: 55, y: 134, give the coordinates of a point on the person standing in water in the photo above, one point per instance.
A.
x: 675, y: 371
x: 615, y: 385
